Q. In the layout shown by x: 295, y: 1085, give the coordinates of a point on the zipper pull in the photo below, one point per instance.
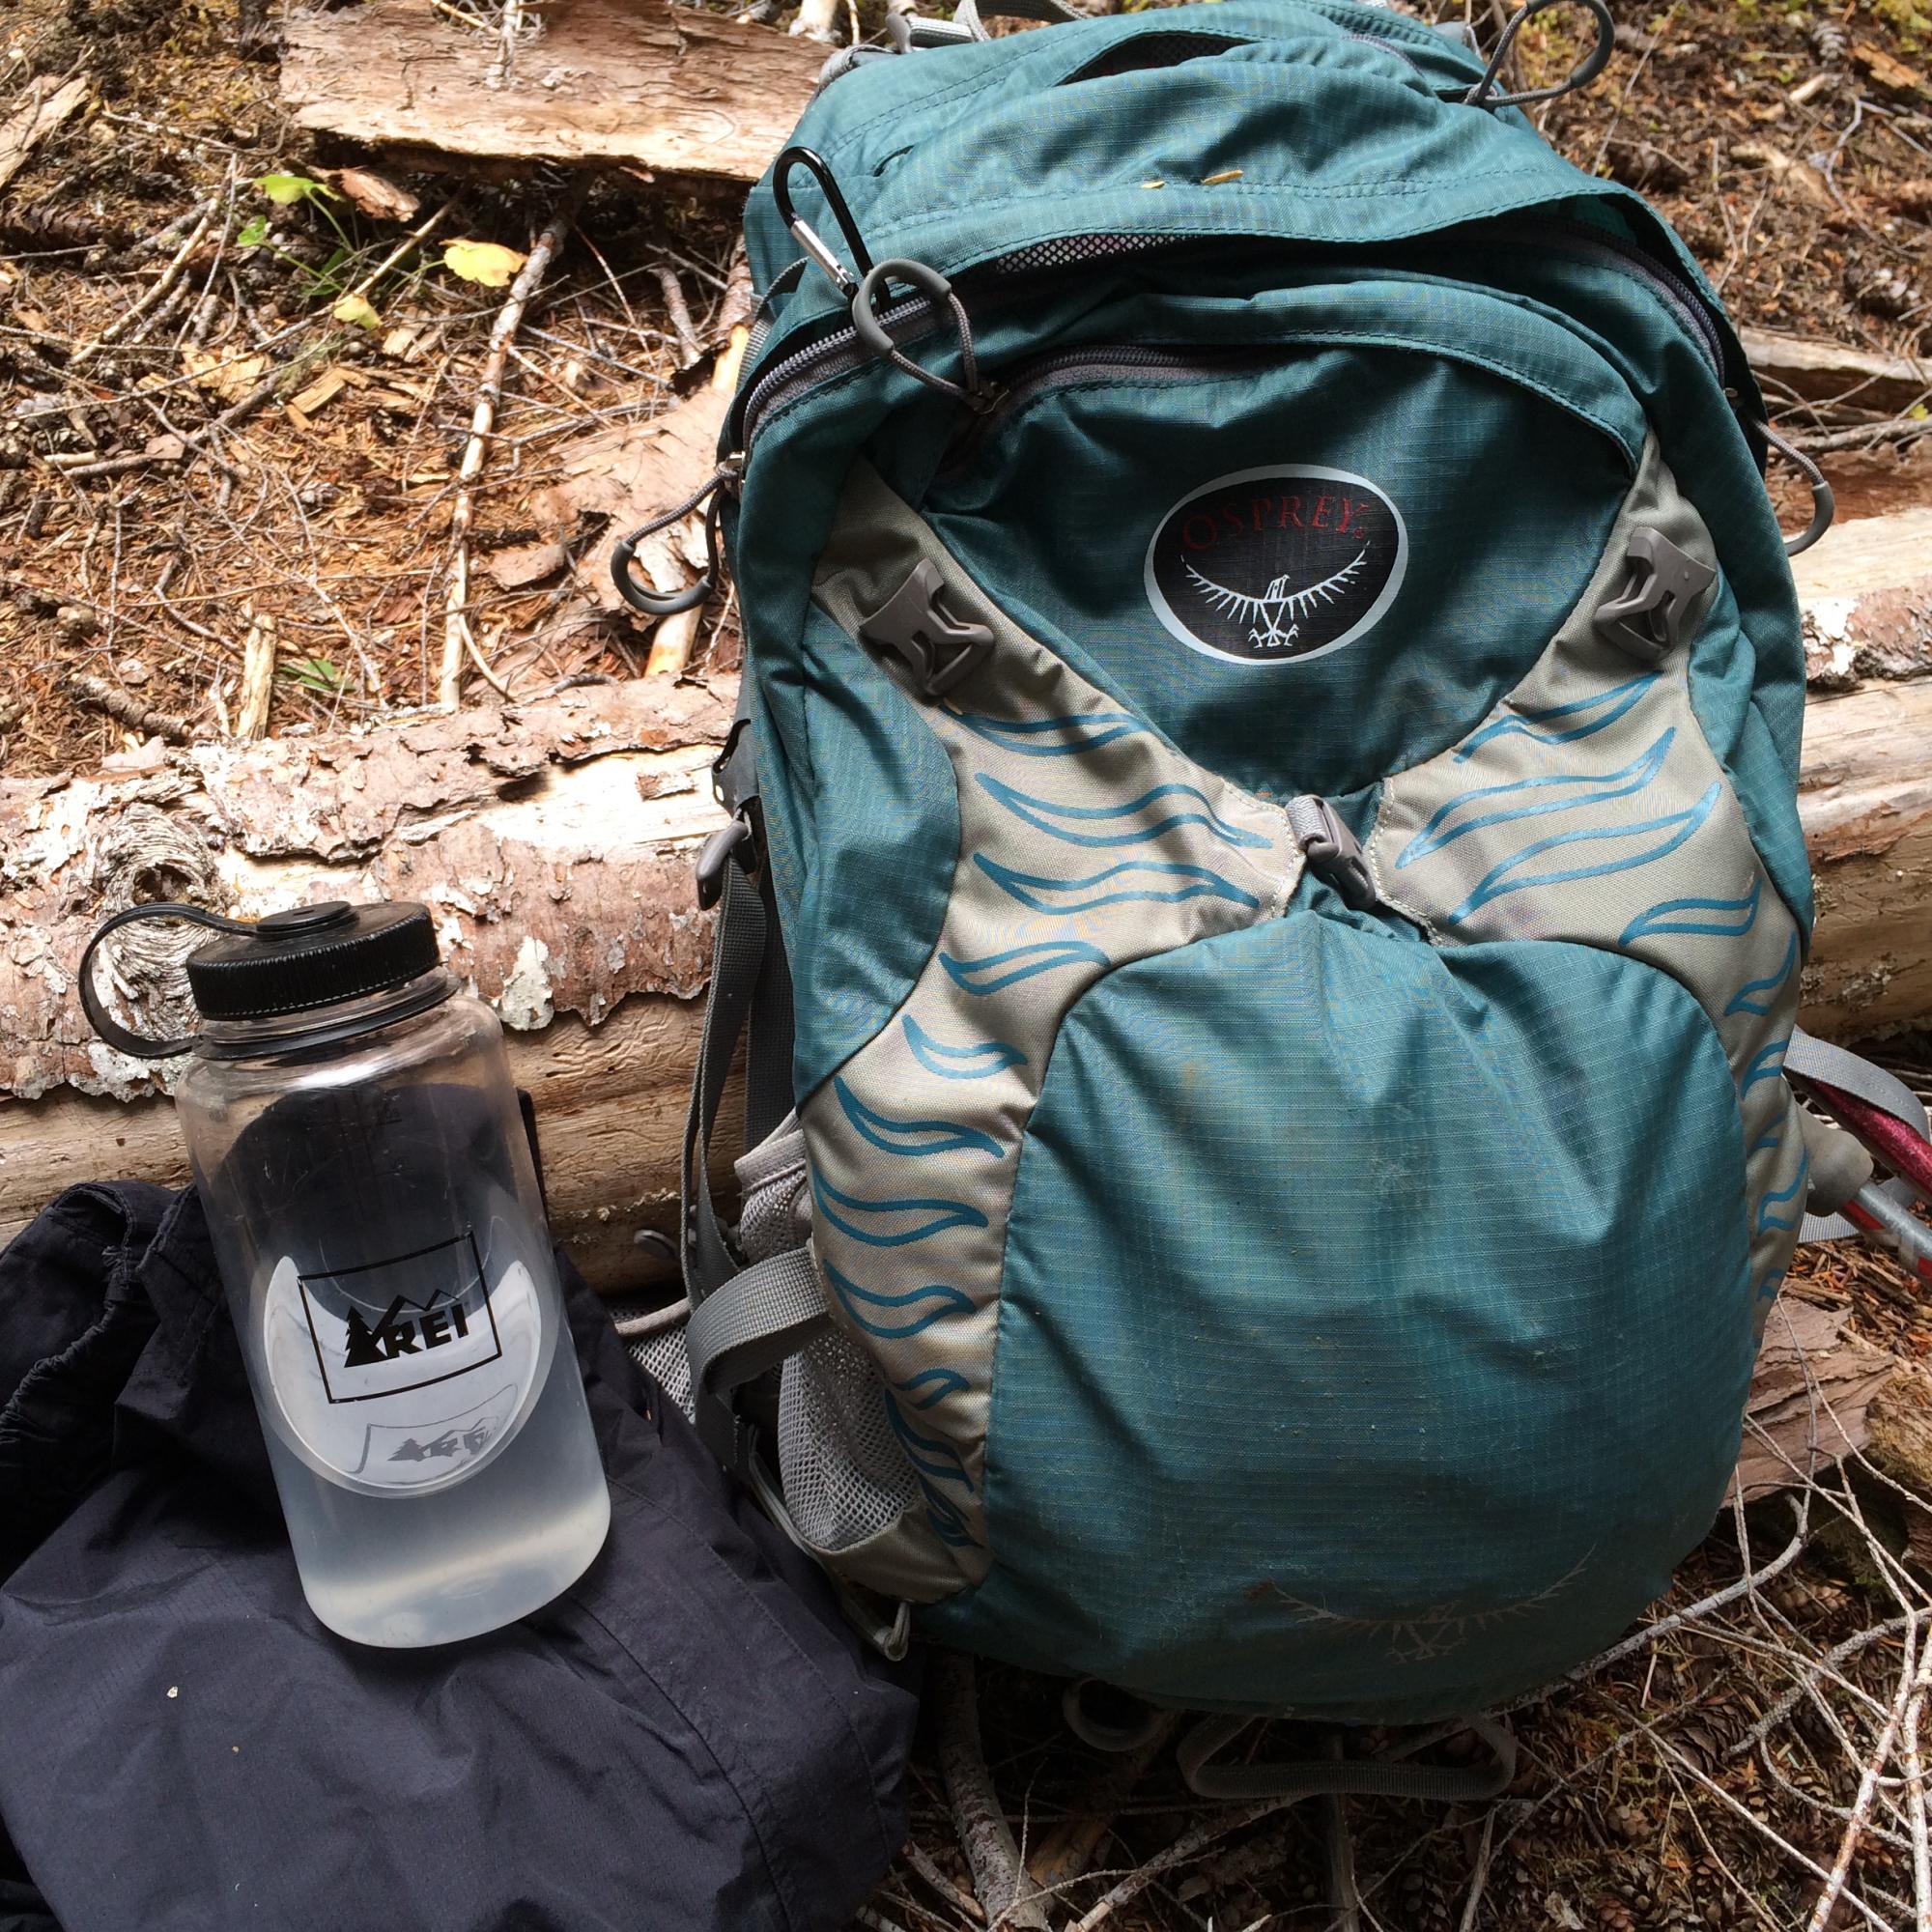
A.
x: 727, y: 476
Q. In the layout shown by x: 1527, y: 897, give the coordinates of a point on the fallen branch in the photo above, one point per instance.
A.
x: 125, y: 709
x: 457, y: 640
x: 1005, y: 1891
x: 162, y: 283
x: 258, y: 679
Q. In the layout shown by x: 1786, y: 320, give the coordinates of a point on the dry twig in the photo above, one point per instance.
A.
x: 458, y: 643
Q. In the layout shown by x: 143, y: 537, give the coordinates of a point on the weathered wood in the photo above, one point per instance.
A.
x: 1811, y: 1395
x: 39, y: 114
x: 629, y: 81
x: 1827, y: 371
x: 554, y: 842
x: 1866, y: 802
x: 1866, y: 594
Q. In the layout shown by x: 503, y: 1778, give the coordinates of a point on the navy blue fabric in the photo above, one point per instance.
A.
x: 689, y: 1738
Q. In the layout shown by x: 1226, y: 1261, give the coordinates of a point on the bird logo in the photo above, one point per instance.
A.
x: 1274, y: 617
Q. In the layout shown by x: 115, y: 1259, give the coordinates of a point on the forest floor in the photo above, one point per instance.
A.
x: 236, y: 386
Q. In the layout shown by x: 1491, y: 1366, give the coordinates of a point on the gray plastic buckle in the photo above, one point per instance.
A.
x: 934, y: 650
x: 1332, y: 851
x: 1650, y: 615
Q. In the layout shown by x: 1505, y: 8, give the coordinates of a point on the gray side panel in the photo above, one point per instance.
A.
x: 1588, y: 806
x: 1086, y: 843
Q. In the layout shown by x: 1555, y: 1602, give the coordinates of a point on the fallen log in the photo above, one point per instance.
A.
x: 1828, y: 373
x: 554, y: 842
x: 1866, y: 594
x: 637, y: 82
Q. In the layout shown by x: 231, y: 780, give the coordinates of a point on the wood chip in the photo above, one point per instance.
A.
x: 513, y: 568
x: 325, y: 388
x: 1888, y: 71
x: 1800, y: 176
x: 377, y: 196
x: 30, y: 124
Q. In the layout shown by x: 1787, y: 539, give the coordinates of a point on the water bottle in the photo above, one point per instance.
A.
x: 376, y: 1217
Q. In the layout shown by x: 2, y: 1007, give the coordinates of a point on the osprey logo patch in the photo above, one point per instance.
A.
x: 1271, y: 566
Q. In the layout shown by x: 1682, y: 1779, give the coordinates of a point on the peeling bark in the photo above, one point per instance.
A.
x: 638, y: 81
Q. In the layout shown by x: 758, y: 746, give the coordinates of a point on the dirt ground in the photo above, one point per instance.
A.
x: 1792, y: 148
x: 179, y: 470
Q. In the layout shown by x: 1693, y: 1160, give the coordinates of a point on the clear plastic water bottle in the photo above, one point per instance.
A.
x: 374, y: 1212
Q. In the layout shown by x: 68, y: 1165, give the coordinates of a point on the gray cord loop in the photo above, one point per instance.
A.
x: 1135, y: 1724
x: 143, y: 1046
x: 934, y: 286
x: 667, y: 603
x: 1483, y: 93
x: 1823, y: 505
x: 1343, y: 1778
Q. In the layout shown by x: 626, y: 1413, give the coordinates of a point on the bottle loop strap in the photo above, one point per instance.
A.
x: 143, y: 1046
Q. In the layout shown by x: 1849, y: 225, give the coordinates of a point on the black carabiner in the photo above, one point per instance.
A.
x: 808, y: 238
x: 667, y: 603
x: 140, y: 1046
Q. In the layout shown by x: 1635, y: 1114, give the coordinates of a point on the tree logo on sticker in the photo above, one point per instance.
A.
x: 1272, y: 566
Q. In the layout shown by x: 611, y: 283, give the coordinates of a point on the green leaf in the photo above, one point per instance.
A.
x: 356, y: 309
x: 254, y: 234
x: 321, y: 676
x: 489, y: 264
x: 285, y: 190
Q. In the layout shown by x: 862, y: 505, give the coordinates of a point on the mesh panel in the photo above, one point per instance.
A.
x: 661, y: 1356
x: 845, y: 1476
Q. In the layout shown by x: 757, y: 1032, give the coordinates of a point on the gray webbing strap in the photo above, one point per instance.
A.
x: 1813, y: 1059
x: 757, y: 1320
x: 971, y: 13
x: 1342, y: 1777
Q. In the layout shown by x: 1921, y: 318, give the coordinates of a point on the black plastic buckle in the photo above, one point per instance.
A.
x: 726, y: 751
x: 1650, y: 615
x: 935, y: 651
x: 725, y: 844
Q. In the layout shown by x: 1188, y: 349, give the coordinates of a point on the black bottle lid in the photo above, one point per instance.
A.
x: 312, y: 955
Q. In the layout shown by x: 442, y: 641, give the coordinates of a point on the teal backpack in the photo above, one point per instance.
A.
x: 1264, y: 880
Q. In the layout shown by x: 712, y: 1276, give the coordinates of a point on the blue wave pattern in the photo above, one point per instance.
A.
x: 1590, y: 807
x: 1765, y: 1063
x: 1050, y: 737
x: 1666, y: 834
x: 933, y: 1216
x: 1086, y: 843
x: 919, y: 1138
x: 1769, y: 1200
x: 1708, y: 919
x: 976, y: 1061
x: 999, y: 970
x: 1573, y: 791
x: 937, y: 1383
x: 1066, y: 896
x: 1157, y: 812
x: 1591, y: 715
x: 935, y: 1461
x: 1758, y: 996
x: 936, y: 1299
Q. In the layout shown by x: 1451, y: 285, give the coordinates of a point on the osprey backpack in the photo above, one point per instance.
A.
x: 1264, y: 876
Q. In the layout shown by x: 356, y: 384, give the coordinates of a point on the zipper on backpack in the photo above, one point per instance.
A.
x: 841, y: 351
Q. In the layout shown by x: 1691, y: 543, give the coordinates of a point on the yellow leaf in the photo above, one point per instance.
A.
x: 354, y: 308
x: 487, y: 263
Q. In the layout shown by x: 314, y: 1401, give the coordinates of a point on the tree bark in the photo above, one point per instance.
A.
x: 554, y: 842
x: 660, y: 86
